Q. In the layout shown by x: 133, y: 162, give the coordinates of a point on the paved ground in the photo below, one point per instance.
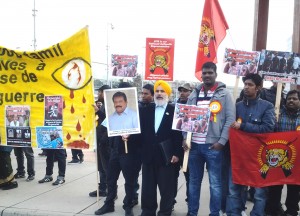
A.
x: 71, y: 198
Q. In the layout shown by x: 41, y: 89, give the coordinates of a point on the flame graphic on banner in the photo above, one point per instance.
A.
x: 72, y: 109
x: 68, y: 136
x: 78, y: 126
x: 71, y: 94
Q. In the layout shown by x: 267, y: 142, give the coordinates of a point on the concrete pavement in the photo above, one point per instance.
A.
x: 71, y: 198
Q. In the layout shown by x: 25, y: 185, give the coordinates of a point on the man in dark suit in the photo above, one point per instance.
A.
x: 102, y: 144
x: 156, y: 127
x: 128, y: 163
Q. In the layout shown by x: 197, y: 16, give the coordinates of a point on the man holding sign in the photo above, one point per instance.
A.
x: 207, y: 147
x: 121, y: 160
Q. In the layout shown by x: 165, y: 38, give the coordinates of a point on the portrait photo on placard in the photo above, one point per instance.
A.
x: 122, y: 111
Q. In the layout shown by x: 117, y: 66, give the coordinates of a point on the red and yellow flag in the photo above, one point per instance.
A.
x: 213, y: 31
x: 261, y: 160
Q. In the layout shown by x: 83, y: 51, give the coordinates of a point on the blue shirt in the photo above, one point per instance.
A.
x: 159, y: 113
x: 126, y: 120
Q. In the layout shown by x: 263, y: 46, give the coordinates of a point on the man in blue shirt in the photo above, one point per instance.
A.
x: 123, y: 117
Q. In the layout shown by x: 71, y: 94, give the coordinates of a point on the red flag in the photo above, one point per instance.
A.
x: 261, y: 160
x: 213, y: 31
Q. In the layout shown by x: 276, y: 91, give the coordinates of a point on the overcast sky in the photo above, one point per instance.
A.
x: 133, y: 21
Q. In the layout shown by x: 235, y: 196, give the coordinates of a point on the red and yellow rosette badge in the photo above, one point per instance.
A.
x: 215, y: 107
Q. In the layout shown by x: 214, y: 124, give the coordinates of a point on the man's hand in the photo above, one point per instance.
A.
x: 184, y: 145
x: 236, y: 125
x: 125, y: 137
x: 216, y: 146
x: 174, y: 159
x: 95, y: 107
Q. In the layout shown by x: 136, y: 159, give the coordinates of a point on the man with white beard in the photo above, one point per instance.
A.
x: 157, y: 168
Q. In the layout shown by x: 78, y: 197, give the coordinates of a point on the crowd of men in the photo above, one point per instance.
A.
x: 207, y: 150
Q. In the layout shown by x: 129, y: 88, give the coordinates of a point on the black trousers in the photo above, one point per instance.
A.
x: 6, y: 171
x: 164, y: 177
x: 292, y: 199
x: 19, y: 153
x: 77, y: 154
x: 136, y: 184
x: 128, y: 164
x: 102, y: 160
x: 60, y: 154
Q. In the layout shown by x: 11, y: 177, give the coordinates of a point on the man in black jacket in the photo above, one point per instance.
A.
x: 156, y: 127
x: 102, y: 145
x: 119, y: 161
x: 184, y: 92
x: 147, y: 95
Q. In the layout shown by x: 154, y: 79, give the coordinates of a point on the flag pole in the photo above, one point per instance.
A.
x: 187, y: 152
x: 236, y: 86
x: 278, y: 99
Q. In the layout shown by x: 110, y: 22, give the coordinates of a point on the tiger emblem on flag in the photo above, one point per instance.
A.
x: 206, y: 35
x: 277, y: 154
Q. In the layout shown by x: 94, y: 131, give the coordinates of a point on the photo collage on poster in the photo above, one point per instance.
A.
x: 190, y: 118
x: 279, y: 66
x: 50, y: 135
x: 275, y: 66
x: 124, y: 65
x: 18, y: 132
x: 240, y: 63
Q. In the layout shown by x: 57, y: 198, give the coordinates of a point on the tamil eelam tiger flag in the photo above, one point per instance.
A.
x: 261, y: 160
x: 213, y: 31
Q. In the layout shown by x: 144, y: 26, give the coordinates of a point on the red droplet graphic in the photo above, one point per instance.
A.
x: 72, y: 109
x: 78, y: 126
x: 83, y: 99
x: 64, y: 104
x: 71, y: 94
x: 68, y: 136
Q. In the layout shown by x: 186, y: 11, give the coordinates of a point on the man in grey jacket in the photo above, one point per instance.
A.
x: 206, y: 148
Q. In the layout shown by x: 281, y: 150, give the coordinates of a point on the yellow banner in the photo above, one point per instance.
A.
x: 62, y: 75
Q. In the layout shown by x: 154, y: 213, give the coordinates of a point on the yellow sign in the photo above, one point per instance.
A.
x: 64, y: 70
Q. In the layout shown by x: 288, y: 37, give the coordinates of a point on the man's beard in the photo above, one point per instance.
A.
x: 161, y: 102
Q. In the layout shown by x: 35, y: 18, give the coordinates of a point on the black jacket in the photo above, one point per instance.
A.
x: 101, y: 131
x: 151, y: 153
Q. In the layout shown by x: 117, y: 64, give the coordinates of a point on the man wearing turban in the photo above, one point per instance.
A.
x: 158, y: 166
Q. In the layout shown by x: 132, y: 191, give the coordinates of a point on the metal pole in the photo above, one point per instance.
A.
x: 34, y: 15
x: 109, y: 26
x: 107, y: 54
